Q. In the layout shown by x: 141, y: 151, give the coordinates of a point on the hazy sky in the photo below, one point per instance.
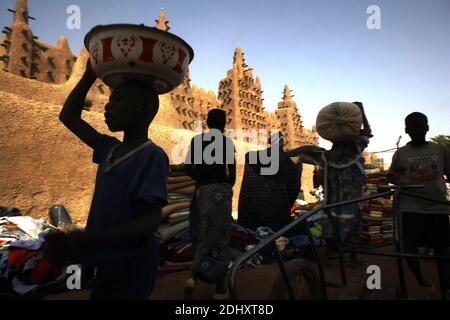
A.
x: 322, y: 49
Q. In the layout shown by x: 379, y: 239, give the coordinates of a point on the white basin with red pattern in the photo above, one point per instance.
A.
x: 122, y: 51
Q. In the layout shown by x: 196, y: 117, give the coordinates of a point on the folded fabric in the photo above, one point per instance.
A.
x: 176, y: 197
x: 371, y: 228
x: 28, y: 225
x: 4, y: 264
x: 179, y: 214
x: 166, y: 232
x: 181, y: 185
x: 17, y: 256
x: 370, y: 234
x: 181, y: 252
x: 183, y: 235
x: 186, y: 191
x: 376, y: 204
x: 177, y: 174
x: 22, y: 288
x: 43, y: 272
x: 8, y: 237
x: 174, y: 180
x: 29, y: 244
x: 170, y: 208
x: 172, y: 244
x: 181, y: 211
x: 174, y: 221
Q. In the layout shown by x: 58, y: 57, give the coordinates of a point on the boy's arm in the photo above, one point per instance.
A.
x: 231, y: 166
x: 61, y: 247
x: 70, y: 114
x: 232, y: 172
x: 138, y: 229
x: 366, y: 130
x: 189, y: 165
x: 393, y: 170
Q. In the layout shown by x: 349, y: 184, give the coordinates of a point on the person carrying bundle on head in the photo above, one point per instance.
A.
x: 341, y: 167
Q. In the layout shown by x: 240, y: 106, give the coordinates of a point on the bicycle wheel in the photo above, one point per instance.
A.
x: 303, y: 278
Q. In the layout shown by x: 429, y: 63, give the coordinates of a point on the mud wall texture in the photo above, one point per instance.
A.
x: 43, y: 164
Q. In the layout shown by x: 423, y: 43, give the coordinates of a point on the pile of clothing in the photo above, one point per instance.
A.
x: 23, y: 268
x: 297, y: 246
x: 291, y: 246
x: 174, y: 234
x: 243, y: 239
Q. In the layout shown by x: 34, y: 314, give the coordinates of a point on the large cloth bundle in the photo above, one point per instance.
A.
x: 339, y: 121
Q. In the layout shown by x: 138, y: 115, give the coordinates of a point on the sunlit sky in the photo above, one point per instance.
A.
x: 322, y: 49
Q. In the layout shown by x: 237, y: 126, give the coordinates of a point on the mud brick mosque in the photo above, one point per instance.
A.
x: 239, y: 92
x: 43, y: 164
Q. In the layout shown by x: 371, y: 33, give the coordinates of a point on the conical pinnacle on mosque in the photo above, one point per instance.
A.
x: 238, y: 58
x: 161, y: 22
x: 287, y: 96
x: 21, y: 12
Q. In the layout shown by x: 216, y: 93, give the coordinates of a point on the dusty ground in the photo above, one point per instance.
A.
x: 255, y: 284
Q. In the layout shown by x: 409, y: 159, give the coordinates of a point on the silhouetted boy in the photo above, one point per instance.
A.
x: 424, y: 223
x: 130, y: 190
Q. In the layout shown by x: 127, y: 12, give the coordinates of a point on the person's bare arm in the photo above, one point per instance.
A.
x: 366, y: 130
x: 189, y: 165
x: 70, y: 114
x: 138, y: 229
x: 393, y: 171
x: 61, y: 247
x: 231, y: 167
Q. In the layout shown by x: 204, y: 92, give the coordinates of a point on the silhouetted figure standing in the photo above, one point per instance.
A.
x: 130, y: 190
x: 210, y: 162
x: 421, y: 162
x: 341, y: 172
x: 266, y: 200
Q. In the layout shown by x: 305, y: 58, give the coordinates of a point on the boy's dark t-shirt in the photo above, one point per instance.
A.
x: 142, y: 176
